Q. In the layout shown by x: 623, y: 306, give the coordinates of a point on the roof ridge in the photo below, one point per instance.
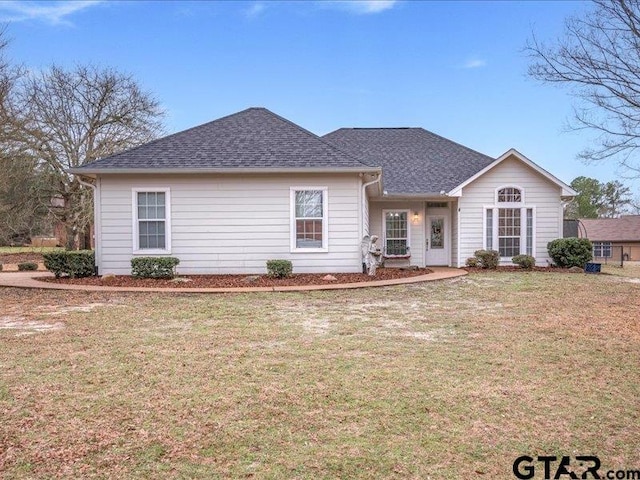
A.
x: 415, y: 128
x: 317, y: 137
x: 380, y: 128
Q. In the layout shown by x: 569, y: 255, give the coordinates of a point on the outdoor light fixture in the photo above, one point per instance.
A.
x: 416, y: 217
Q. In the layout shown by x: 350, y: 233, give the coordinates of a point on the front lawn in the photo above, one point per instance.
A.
x: 443, y: 380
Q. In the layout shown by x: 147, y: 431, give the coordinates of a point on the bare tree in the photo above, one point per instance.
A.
x: 4, y: 66
x: 67, y: 118
x: 9, y: 74
x: 598, y: 58
x: 24, y: 199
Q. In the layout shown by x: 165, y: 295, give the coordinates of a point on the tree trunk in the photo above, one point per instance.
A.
x: 70, y: 243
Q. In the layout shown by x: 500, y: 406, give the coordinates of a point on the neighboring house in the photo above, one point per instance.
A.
x: 613, y: 238
x: 227, y: 196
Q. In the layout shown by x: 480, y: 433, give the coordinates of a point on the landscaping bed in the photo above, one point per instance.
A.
x: 232, y: 281
x: 15, y: 258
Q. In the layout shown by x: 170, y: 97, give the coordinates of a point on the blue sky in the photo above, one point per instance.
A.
x: 455, y: 68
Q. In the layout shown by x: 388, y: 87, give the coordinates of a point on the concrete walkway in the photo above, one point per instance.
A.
x: 30, y: 280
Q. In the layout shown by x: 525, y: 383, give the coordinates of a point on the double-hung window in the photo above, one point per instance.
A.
x: 151, y: 220
x: 509, y: 231
x: 509, y: 224
x: 396, y: 233
x: 602, y: 249
x: 309, y: 223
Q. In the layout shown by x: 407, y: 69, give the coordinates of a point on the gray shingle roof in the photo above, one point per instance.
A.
x: 252, y: 138
x: 413, y: 160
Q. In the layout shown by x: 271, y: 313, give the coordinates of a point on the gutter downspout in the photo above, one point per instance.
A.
x: 364, y: 194
x: 96, y: 218
x: 563, y: 204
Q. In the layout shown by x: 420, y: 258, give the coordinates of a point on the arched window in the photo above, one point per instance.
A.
x: 509, y: 195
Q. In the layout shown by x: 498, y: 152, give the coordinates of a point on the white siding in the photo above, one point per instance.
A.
x: 416, y: 229
x: 539, y: 192
x: 454, y: 234
x: 232, y: 223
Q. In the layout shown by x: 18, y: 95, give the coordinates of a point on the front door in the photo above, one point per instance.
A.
x: 437, y: 236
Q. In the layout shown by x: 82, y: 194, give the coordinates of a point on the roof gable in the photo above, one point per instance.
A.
x: 414, y: 161
x: 253, y: 138
x: 567, y: 191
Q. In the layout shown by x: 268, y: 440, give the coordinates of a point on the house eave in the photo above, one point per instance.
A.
x: 597, y: 239
x: 412, y: 196
x: 93, y: 172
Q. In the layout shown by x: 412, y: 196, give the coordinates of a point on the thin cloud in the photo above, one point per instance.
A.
x: 360, y: 7
x: 255, y: 10
x: 54, y: 13
x: 475, y: 63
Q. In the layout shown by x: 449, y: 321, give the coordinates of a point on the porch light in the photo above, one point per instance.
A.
x: 416, y: 217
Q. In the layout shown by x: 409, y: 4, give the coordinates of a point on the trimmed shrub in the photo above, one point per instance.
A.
x: 279, y: 268
x: 488, y: 258
x: 471, y: 262
x: 27, y: 266
x: 81, y: 263
x: 570, y: 252
x: 56, y: 262
x: 154, y: 267
x: 525, y: 261
x: 75, y: 264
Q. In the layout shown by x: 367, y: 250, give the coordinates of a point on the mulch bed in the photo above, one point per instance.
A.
x: 232, y: 281
x: 15, y: 258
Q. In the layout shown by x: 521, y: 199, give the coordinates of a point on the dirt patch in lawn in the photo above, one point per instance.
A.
x: 233, y: 281
x: 25, y: 326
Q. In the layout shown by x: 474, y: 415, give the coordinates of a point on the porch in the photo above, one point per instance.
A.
x: 415, y: 231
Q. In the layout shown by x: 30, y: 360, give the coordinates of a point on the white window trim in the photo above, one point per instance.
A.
x: 325, y: 220
x: 510, y: 204
x: 523, y: 227
x: 384, y: 228
x: 534, y: 220
x: 601, y: 246
x: 167, y: 221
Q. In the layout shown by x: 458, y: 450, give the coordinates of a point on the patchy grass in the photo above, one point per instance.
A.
x: 630, y: 269
x: 450, y: 379
x: 11, y: 250
x: 15, y: 255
